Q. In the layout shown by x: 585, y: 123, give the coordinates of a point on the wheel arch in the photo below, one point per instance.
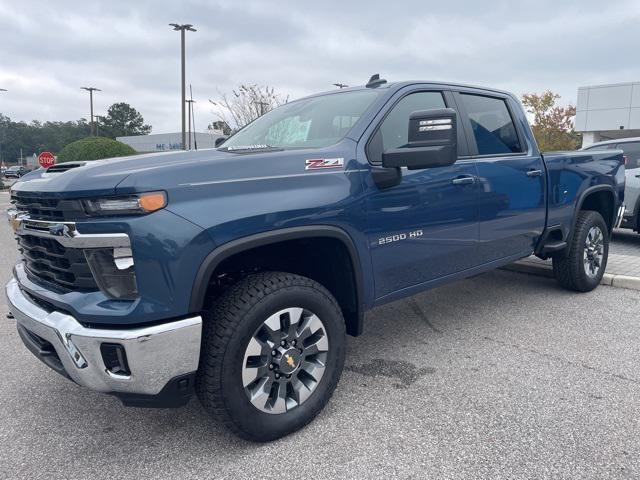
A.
x: 354, y: 320
x: 600, y: 198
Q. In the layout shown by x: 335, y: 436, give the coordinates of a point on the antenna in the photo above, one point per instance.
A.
x: 375, y: 81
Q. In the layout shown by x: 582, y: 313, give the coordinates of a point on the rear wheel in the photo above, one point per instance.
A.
x: 581, y: 267
x: 272, y: 354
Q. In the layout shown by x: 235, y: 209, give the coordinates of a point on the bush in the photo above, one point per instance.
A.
x: 94, y: 148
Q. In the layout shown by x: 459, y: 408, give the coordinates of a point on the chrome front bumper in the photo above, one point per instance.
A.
x: 155, y: 354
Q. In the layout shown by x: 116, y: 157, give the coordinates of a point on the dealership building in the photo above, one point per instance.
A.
x: 607, y: 112
x: 161, y: 142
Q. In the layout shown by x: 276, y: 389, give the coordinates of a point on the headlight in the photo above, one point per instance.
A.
x: 113, y: 270
x: 126, y: 205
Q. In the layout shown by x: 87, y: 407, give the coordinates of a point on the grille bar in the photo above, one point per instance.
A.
x: 46, y: 260
x: 47, y: 208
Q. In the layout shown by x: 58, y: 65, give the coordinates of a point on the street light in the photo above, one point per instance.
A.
x: 190, y: 102
x: 182, y: 29
x: 91, y: 90
x: 3, y: 89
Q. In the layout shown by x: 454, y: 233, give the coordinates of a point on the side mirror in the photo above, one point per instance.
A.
x: 432, y: 141
x: 219, y: 141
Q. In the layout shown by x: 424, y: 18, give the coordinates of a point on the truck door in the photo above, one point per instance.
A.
x: 511, y: 174
x: 425, y: 227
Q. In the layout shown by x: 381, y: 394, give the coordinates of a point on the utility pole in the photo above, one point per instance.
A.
x: 341, y: 85
x: 182, y: 29
x: 2, y: 139
x: 190, y: 102
x: 91, y: 90
x: 193, y: 118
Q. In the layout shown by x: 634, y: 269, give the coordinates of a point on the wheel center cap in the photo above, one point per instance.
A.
x: 289, y: 361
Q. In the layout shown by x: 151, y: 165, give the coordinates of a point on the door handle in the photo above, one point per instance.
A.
x: 463, y: 181
x: 534, y: 173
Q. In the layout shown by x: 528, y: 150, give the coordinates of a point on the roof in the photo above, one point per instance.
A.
x: 617, y: 140
x: 399, y: 85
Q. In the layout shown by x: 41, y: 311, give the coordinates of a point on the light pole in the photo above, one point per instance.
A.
x: 91, y: 90
x: 190, y: 102
x: 182, y: 29
x: 2, y: 139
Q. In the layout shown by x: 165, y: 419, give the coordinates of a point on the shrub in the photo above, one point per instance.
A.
x: 94, y: 148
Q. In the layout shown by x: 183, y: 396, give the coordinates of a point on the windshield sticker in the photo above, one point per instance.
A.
x: 322, y: 163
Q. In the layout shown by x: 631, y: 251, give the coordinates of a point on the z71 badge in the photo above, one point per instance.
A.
x: 323, y: 163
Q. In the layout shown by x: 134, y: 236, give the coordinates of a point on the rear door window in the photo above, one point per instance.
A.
x: 492, y: 125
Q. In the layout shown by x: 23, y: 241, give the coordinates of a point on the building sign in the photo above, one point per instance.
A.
x: 169, y: 146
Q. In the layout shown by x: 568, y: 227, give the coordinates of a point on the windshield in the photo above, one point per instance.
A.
x: 308, y: 123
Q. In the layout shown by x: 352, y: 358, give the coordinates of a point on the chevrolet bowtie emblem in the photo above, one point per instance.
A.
x: 59, y: 230
x: 290, y: 360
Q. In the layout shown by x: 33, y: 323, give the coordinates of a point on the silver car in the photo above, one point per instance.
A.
x: 631, y: 149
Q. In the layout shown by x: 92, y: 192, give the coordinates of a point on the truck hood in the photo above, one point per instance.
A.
x: 173, y: 170
x: 101, y: 177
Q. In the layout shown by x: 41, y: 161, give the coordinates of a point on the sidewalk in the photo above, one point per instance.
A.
x: 623, y: 266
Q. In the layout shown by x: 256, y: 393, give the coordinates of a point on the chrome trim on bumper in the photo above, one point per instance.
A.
x: 65, y: 233
x: 155, y: 354
x: 619, y: 216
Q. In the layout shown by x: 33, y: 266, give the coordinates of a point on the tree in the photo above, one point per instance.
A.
x: 122, y: 120
x: 36, y: 137
x: 94, y: 148
x: 221, y: 126
x: 246, y: 103
x: 552, y: 125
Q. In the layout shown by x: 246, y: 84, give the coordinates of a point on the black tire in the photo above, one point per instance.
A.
x: 227, y: 330
x: 569, y: 268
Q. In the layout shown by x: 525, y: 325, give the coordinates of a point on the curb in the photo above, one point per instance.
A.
x: 609, y: 279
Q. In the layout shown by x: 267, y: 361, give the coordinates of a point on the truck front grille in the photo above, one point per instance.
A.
x: 49, y: 263
x: 42, y: 207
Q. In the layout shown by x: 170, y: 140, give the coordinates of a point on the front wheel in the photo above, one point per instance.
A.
x: 581, y: 268
x: 272, y: 353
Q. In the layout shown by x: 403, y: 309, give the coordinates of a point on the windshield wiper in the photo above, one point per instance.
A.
x: 250, y: 148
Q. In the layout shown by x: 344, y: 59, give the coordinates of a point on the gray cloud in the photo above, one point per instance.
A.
x: 50, y: 49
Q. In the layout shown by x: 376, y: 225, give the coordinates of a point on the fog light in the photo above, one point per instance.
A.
x: 113, y: 271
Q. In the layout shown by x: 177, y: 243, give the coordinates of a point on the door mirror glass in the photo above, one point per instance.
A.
x: 431, y: 141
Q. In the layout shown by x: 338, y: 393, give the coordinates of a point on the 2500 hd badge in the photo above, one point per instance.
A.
x: 399, y: 237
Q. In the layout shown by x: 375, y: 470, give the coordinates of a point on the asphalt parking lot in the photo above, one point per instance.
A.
x: 501, y: 376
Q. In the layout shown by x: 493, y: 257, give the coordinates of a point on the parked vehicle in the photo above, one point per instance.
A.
x: 631, y: 149
x: 15, y: 171
x: 236, y: 272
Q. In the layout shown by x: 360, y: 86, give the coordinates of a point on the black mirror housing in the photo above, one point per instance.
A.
x: 432, y: 141
x: 219, y: 141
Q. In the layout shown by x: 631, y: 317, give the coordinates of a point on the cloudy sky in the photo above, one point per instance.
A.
x: 48, y: 50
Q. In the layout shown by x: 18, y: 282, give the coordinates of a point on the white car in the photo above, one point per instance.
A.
x: 631, y: 149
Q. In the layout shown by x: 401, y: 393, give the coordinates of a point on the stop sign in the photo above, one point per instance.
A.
x: 46, y: 159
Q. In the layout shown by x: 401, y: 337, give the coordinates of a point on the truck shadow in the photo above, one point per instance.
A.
x: 627, y: 237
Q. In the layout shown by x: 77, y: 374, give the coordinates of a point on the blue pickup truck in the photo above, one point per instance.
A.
x: 235, y: 273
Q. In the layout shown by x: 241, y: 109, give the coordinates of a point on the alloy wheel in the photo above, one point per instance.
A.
x: 285, y: 360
